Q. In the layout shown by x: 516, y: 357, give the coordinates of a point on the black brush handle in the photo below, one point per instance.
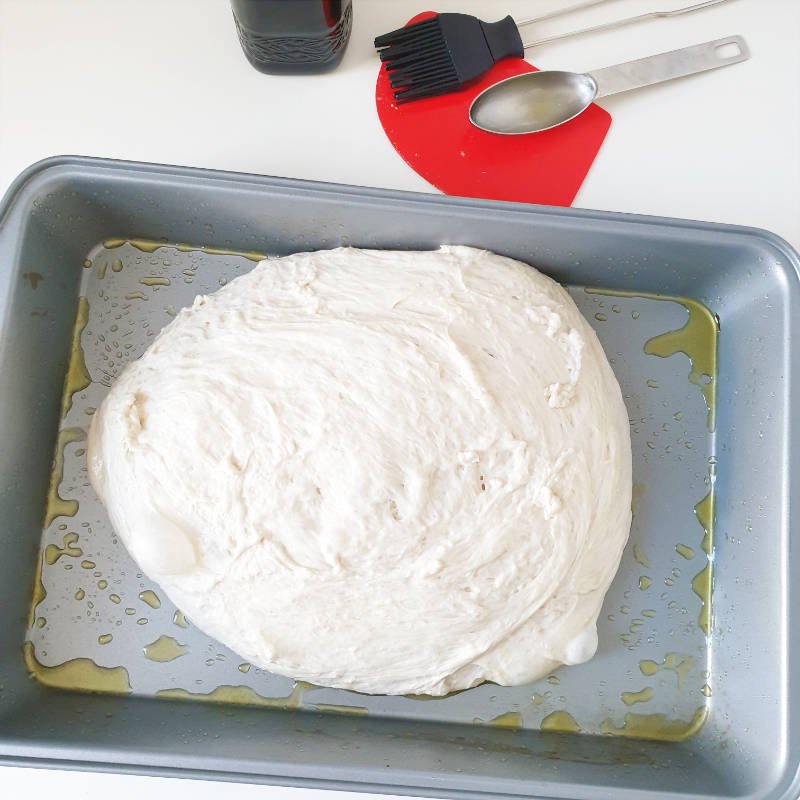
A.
x: 503, y: 38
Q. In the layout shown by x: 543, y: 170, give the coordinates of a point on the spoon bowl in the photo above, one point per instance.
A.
x: 533, y: 102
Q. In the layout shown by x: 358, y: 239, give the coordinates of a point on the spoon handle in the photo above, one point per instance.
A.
x: 667, y: 66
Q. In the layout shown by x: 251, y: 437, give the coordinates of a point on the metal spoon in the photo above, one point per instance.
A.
x: 538, y: 101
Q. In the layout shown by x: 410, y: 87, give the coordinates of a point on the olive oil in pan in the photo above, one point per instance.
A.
x: 52, y: 553
x: 697, y: 339
x: 150, y: 598
x: 57, y: 506
x: 672, y: 662
x: 78, y: 674
x: 77, y: 377
x: 657, y: 726
x: 511, y: 720
x: 242, y: 695
x: 560, y: 722
x: 165, y: 648
x: 642, y: 696
x: 150, y: 246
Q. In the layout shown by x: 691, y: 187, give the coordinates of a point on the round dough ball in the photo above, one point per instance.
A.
x: 393, y: 472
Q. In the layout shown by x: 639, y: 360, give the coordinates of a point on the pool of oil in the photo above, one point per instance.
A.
x: 98, y: 624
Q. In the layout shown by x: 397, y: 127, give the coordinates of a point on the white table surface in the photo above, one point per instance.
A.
x: 165, y: 81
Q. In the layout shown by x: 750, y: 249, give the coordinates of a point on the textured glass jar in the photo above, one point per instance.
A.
x: 293, y: 36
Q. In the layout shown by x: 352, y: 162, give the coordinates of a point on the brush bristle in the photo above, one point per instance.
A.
x: 408, y: 33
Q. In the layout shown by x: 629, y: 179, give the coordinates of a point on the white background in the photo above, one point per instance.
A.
x: 165, y: 81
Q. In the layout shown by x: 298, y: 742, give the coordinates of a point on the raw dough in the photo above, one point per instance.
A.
x: 384, y: 471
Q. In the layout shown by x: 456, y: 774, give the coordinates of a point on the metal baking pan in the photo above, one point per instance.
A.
x: 691, y: 693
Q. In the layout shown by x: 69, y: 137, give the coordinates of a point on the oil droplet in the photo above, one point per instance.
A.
x: 170, y: 310
x: 165, y: 648
x: 87, y: 264
x: 537, y: 699
x: 657, y: 726
x: 153, y: 280
x: 625, y: 609
x: 672, y: 662
x: 33, y: 278
x: 511, y: 720
x: 41, y: 622
x: 644, y: 582
x: 130, y: 611
x: 80, y: 594
x: 102, y: 584
x: 639, y: 557
x: 180, y: 620
x: 706, y: 690
x: 553, y: 679
x: 702, y: 583
x: 53, y: 552
x: 57, y: 506
x: 600, y: 317
x: 636, y: 497
x: 635, y: 314
x: 150, y: 598
x: 701, y: 586
x: 241, y: 695
x: 697, y: 339
x: 115, y: 598
x: 86, y: 564
x: 616, y: 309
x: 248, y: 254
x: 704, y: 511
x: 560, y: 722
x: 244, y: 667
x: 145, y: 245
x: 116, y: 265
x: 77, y: 377
x: 101, y: 270
x: 685, y: 551
x: 648, y: 612
x: 652, y: 384
x: 79, y: 674
x: 642, y: 696
x: 136, y: 296
x: 105, y: 638
x: 142, y: 621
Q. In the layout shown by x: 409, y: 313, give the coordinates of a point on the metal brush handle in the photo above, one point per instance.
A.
x: 562, y: 12
x: 607, y: 26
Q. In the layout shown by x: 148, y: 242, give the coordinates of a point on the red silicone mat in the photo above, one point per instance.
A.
x: 435, y: 138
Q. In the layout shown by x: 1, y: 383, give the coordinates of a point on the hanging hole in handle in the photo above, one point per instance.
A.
x: 729, y: 50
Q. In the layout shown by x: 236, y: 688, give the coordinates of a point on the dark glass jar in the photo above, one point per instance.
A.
x: 293, y: 36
